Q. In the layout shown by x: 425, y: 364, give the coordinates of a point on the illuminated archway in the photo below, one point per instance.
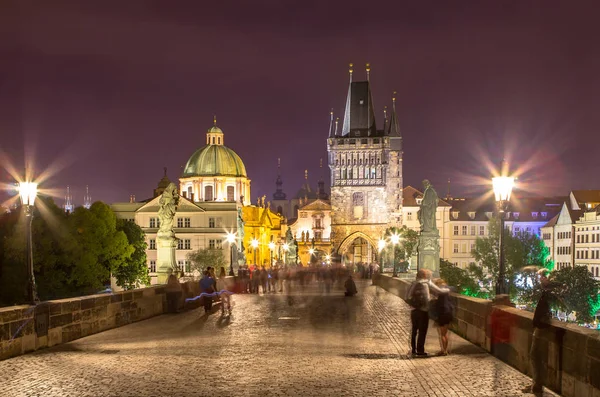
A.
x: 358, y: 247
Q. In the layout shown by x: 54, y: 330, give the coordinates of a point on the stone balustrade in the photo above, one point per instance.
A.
x: 28, y: 328
x: 573, y: 359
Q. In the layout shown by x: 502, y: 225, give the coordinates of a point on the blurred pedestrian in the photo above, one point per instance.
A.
x: 350, y: 286
x: 443, y: 315
x: 207, y: 284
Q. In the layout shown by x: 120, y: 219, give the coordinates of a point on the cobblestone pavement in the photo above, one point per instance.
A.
x: 307, y: 344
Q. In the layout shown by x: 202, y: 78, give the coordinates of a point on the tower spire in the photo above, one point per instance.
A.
x: 337, y: 121
x: 87, y: 199
x: 368, y: 68
x: 214, y: 120
x: 331, y: 131
x: 279, y: 194
x: 394, y: 127
x: 350, y: 71
x: 68, y: 207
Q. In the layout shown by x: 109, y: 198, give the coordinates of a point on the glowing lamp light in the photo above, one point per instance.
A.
x: 231, y: 238
x: 311, y: 251
x: 286, y: 247
x: 271, y: 246
x: 503, y: 186
x: 28, y: 192
x: 381, y: 245
x: 327, y: 258
x: 254, y: 243
x: 395, y: 238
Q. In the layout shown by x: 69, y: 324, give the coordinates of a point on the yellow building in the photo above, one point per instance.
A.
x: 263, y: 235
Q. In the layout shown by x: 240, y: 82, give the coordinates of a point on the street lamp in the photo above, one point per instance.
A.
x: 28, y: 193
x: 395, y: 238
x: 231, y: 239
x: 380, y: 247
x: 254, y: 244
x: 271, y: 248
x: 286, y: 248
x: 502, y: 186
x: 328, y: 259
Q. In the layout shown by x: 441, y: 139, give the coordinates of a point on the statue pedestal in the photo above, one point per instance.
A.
x: 429, y: 252
x: 165, y: 261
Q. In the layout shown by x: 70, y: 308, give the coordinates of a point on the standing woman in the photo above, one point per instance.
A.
x: 444, y: 314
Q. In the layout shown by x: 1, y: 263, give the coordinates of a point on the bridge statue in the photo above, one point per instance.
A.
x: 241, y: 251
x: 166, y: 242
x: 428, y: 249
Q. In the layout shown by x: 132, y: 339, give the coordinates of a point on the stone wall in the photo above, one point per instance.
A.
x: 27, y: 328
x: 573, y: 359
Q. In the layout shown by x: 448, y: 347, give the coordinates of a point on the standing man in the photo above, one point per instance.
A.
x: 418, y: 297
x: 541, y: 320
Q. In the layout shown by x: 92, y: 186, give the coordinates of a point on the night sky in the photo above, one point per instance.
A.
x: 110, y: 92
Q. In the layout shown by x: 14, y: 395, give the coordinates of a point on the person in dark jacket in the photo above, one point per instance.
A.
x: 541, y: 320
x: 350, y: 286
x: 444, y: 313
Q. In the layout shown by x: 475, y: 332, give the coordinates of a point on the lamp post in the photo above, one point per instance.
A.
x: 231, y: 239
x: 286, y: 248
x: 271, y: 248
x: 311, y: 251
x: 28, y: 193
x: 503, y: 186
x: 254, y: 244
x: 328, y: 259
x: 380, y: 247
x: 395, y: 238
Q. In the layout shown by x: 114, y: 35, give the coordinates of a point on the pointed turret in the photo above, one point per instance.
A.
x: 332, y: 129
x: 394, y: 127
x: 279, y: 194
x: 321, y: 184
x: 68, y: 207
x: 359, y: 117
x: 87, y: 199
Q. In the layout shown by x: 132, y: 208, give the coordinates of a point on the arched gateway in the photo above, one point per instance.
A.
x: 358, y: 247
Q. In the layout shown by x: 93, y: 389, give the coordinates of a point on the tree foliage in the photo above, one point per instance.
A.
x: 577, y: 292
x: 133, y: 272
x: 459, y: 278
x: 521, y: 251
x: 405, y: 248
x: 205, y: 257
x: 74, y: 254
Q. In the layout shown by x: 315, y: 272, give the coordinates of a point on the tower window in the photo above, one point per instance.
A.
x: 219, y: 140
x: 230, y: 193
x: 208, y: 193
x: 213, y: 140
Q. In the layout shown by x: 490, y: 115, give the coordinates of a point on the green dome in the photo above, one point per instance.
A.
x: 214, y: 160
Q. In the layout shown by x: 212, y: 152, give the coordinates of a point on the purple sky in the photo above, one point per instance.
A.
x: 117, y: 90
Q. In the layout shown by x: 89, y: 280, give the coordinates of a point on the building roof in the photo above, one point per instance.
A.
x: 214, y: 160
x: 410, y: 196
x: 317, y: 205
x: 552, y: 221
x: 359, y: 117
x: 520, y: 209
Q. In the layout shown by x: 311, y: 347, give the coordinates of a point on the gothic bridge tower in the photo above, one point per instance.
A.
x: 366, y: 175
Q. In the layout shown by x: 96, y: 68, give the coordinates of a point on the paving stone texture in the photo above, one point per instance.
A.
x: 305, y: 343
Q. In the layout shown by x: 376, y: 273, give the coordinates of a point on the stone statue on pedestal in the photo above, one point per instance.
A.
x: 166, y: 242
x: 429, y: 239
x: 241, y: 257
x: 290, y: 257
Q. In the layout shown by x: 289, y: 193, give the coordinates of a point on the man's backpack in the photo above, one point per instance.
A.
x: 418, y: 297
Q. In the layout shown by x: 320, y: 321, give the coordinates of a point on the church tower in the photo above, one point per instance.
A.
x: 366, y: 175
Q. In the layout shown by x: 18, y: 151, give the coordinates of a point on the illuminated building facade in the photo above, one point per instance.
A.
x: 366, y: 175
x: 265, y: 227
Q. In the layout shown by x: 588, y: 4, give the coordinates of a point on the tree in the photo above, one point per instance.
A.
x: 577, y: 292
x: 133, y: 272
x: 402, y: 251
x: 460, y: 278
x: 205, y: 257
x: 520, y: 251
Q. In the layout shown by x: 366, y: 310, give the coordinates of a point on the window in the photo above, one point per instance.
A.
x: 180, y: 263
x: 152, y: 267
x: 187, y: 244
x: 179, y: 244
x: 471, y: 215
x: 230, y: 193
x: 472, y: 247
x: 179, y: 222
x: 455, y: 248
x: 463, y: 248
x: 208, y: 193
x: 516, y: 215
x: 219, y: 244
x: 578, y: 238
x: 152, y: 244
x: 587, y: 238
x: 152, y: 222
x: 534, y: 215
x: 472, y: 230
x: 211, y: 244
x: 455, y: 230
x: 464, y: 230
x: 211, y: 222
x: 409, y: 216
x: 455, y: 215
x: 318, y: 223
x: 187, y: 222
x: 481, y: 230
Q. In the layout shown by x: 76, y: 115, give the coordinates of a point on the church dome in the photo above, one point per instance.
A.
x: 214, y: 160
